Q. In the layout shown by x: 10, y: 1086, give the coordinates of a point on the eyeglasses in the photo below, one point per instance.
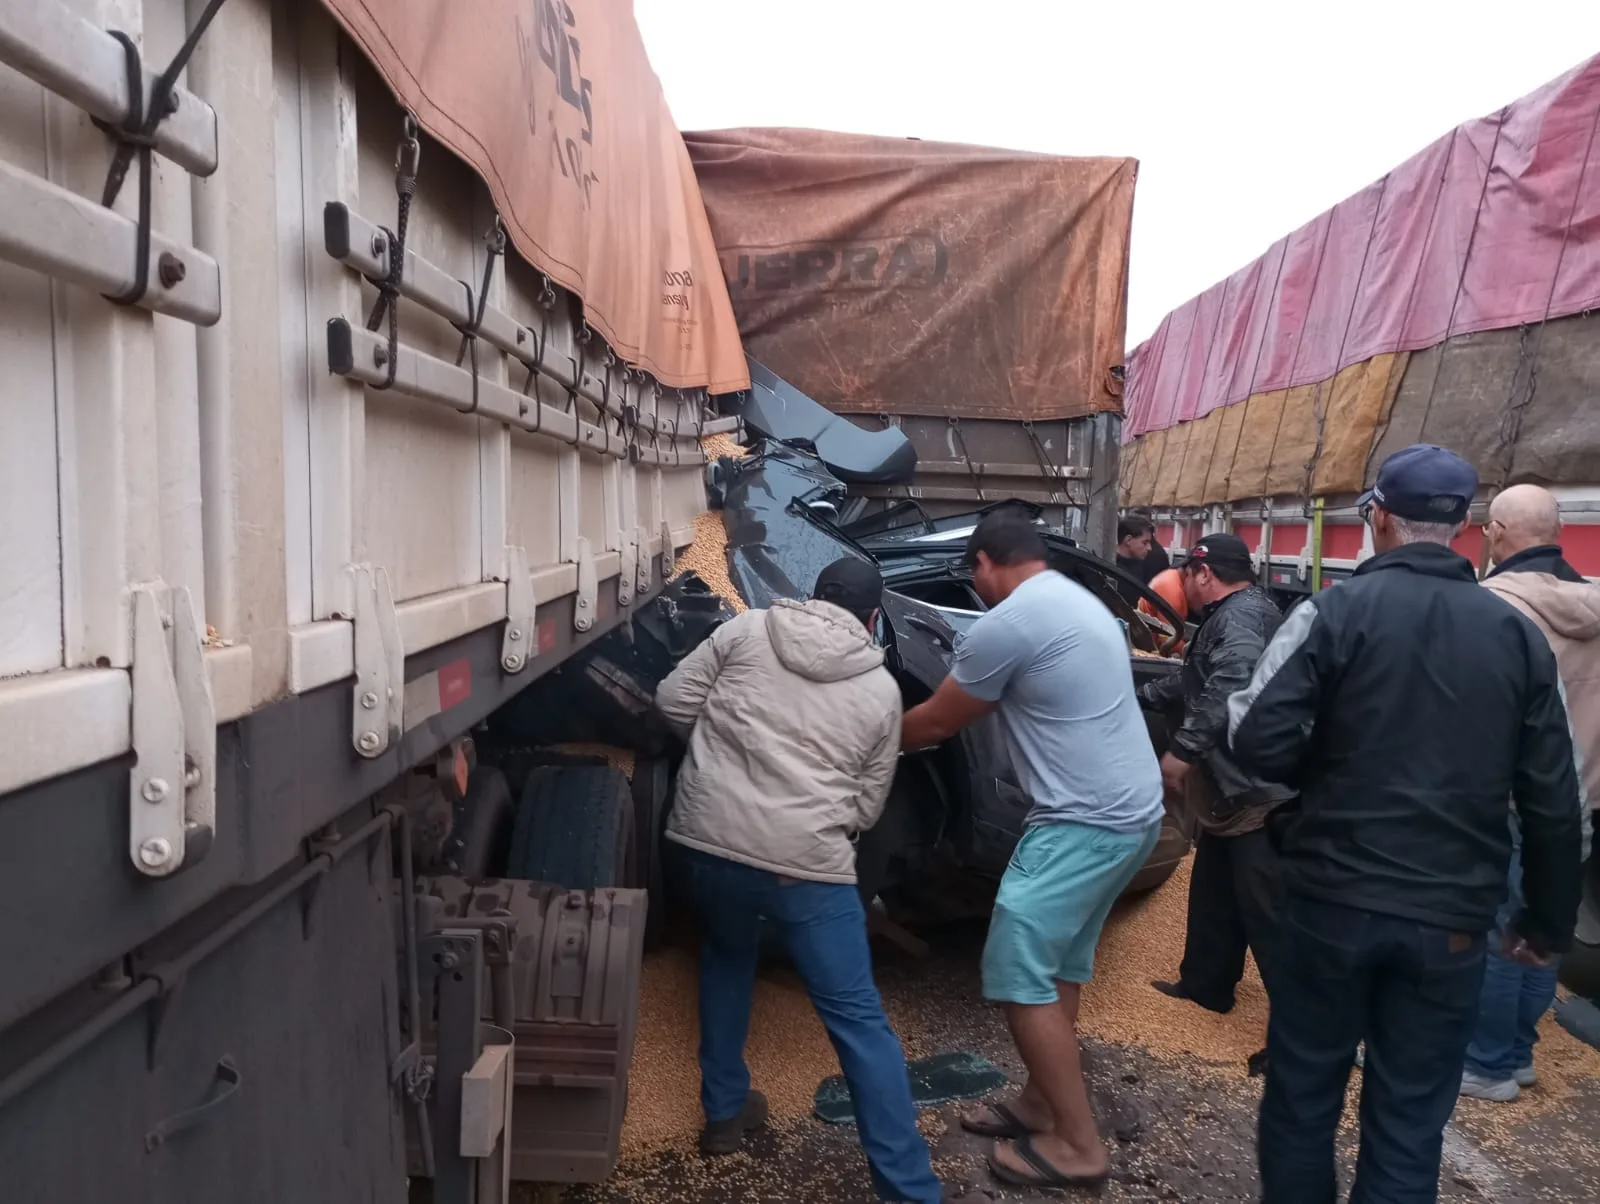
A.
x: 1365, y: 511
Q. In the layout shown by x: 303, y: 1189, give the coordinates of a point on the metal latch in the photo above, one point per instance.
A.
x: 520, y: 643
x: 378, y: 702
x: 627, y: 569
x: 641, y: 548
x: 172, y: 800
x: 588, y: 587
x: 669, y: 554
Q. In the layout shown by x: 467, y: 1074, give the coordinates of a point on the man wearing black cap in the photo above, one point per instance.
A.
x: 793, y: 731
x: 1234, y: 887
x: 1406, y: 705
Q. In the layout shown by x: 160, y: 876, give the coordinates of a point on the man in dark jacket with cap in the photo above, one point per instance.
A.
x: 1406, y: 705
x: 1233, y: 891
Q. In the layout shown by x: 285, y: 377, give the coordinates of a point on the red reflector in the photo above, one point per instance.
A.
x: 455, y: 683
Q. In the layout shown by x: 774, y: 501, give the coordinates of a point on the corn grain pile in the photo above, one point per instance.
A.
x: 617, y: 758
x: 1142, y: 942
x: 708, y: 554
x: 788, y: 1053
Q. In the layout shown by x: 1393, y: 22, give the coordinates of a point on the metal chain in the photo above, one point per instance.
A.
x: 407, y: 158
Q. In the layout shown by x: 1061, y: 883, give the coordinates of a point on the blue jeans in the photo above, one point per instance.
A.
x: 1514, y: 996
x: 825, y: 929
x: 1409, y: 990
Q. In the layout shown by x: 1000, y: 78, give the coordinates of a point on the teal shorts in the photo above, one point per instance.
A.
x: 1053, y: 902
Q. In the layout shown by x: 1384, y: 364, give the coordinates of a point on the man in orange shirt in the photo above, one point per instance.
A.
x: 1169, y: 584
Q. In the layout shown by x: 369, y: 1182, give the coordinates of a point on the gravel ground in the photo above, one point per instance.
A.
x: 1181, y: 1129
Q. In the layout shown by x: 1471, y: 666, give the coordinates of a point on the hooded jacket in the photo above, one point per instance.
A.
x: 1568, y: 612
x: 793, y: 731
x: 1407, y: 704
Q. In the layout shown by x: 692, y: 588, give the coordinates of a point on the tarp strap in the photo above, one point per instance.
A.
x: 495, y: 241
x: 1046, y: 469
x: 578, y: 366
x: 966, y: 457
x: 135, y: 136
x: 547, y: 301
x: 407, y: 158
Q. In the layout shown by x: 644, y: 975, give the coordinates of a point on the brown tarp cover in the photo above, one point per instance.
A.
x: 890, y: 275
x: 1520, y: 404
x: 554, y: 104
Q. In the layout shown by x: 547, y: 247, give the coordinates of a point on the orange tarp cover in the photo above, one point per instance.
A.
x: 554, y: 104
x: 890, y: 275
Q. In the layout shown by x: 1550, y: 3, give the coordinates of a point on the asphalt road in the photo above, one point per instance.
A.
x: 1179, y: 1129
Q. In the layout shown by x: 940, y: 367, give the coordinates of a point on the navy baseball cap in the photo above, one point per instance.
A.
x: 1425, y: 484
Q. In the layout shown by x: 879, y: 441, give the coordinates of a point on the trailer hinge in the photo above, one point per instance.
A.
x: 172, y: 798
x: 520, y: 643
x: 627, y: 569
x: 641, y: 549
x: 669, y: 554
x: 378, y: 701
x: 583, y: 614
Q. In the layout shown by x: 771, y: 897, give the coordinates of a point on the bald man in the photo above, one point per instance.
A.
x: 1524, y: 533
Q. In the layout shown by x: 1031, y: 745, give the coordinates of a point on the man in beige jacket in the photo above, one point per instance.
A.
x: 793, y: 731
x: 1524, y: 534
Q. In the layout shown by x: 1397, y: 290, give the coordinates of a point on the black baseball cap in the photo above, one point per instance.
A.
x: 1424, y: 483
x: 1223, y: 550
x: 852, y: 583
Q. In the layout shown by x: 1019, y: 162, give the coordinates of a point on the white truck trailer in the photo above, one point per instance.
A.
x: 320, y: 438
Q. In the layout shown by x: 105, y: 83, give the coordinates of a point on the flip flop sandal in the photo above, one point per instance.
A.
x: 1007, y: 1126
x: 1047, y: 1175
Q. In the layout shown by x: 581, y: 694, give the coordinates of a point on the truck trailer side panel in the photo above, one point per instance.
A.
x: 269, y: 546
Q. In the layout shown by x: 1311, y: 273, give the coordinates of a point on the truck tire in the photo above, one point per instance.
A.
x: 481, y: 841
x: 574, y: 828
x: 652, y: 795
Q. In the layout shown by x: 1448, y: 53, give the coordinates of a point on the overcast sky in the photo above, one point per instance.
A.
x: 1249, y: 117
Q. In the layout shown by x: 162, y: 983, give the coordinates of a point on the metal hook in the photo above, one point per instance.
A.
x: 408, y: 155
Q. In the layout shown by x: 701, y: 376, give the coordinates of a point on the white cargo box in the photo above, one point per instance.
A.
x: 211, y: 501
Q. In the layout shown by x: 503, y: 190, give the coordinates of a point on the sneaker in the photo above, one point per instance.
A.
x: 1526, y: 1076
x: 726, y: 1136
x: 1501, y: 1091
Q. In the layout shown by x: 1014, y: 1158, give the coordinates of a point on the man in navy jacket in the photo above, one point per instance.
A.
x: 1405, y: 705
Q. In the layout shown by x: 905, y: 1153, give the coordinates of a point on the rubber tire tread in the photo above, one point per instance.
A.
x: 570, y: 825
x: 652, y: 798
x: 489, y: 812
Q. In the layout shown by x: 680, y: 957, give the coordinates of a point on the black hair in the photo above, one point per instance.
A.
x: 1006, y: 536
x: 1134, y: 524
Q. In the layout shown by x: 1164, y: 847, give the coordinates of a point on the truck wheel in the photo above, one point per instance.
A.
x: 652, y: 795
x: 574, y: 828
x: 481, y: 841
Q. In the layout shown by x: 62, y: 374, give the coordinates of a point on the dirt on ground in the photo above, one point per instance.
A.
x: 1168, y: 1083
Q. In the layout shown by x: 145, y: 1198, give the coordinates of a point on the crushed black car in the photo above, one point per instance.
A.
x: 960, y: 806
x: 954, y: 812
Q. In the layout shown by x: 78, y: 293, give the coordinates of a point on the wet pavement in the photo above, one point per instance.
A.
x: 1178, y: 1129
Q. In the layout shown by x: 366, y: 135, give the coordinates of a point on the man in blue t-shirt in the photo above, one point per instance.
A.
x: 1052, y: 662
